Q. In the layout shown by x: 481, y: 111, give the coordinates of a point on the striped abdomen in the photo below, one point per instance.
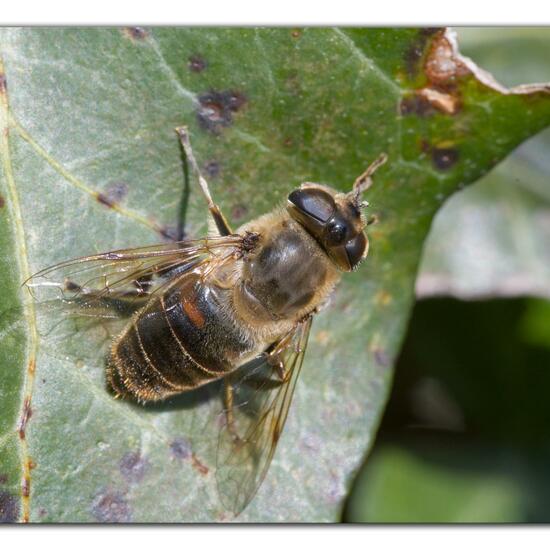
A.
x: 177, y: 342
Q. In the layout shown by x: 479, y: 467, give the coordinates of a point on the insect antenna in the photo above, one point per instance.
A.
x: 364, y: 181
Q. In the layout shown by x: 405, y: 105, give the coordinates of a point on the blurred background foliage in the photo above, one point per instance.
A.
x: 465, y: 436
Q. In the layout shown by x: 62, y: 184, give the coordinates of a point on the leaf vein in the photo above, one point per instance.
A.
x: 23, y: 261
x: 74, y: 181
x: 169, y: 72
x: 366, y: 61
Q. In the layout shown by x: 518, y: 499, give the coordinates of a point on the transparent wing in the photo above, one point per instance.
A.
x: 83, y: 303
x: 129, y: 274
x: 253, y: 424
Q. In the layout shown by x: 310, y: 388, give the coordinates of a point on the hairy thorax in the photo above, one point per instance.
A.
x: 286, y: 276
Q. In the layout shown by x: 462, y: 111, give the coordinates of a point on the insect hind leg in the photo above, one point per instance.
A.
x: 228, y: 398
x: 219, y: 219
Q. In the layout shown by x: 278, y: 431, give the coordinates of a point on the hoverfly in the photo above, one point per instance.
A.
x: 235, y: 306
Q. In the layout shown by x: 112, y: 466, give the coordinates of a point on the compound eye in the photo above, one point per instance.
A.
x: 316, y: 203
x: 336, y: 233
x: 356, y: 249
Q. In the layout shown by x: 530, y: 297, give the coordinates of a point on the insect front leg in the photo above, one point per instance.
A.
x: 275, y: 357
x: 219, y: 219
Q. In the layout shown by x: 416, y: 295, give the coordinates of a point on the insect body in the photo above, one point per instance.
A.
x: 235, y: 306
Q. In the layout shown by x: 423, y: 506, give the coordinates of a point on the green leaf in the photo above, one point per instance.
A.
x: 492, y: 240
x: 91, y: 162
x: 435, y: 486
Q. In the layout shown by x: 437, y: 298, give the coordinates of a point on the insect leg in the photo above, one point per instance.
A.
x: 219, y: 219
x: 274, y: 359
x: 274, y: 356
x: 228, y: 409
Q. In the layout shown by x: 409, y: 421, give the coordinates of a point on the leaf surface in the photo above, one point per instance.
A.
x: 90, y: 162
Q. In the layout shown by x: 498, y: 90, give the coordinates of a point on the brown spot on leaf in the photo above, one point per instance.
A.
x: 197, y: 64
x: 2, y: 201
x: 213, y: 169
x: 110, y: 506
x: 198, y: 465
x: 9, y: 507
x: 414, y: 104
x: 235, y: 100
x: 417, y: 49
x: 104, y: 200
x: 444, y: 158
x: 428, y: 101
x: 443, y: 64
x: 3, y: 479
x: 25, y: 416
x: 296, y: 33
x: 26, y: 487
x: 116, y: 191
x: 180, y: 448
x: 135, y: 33
x: 3, y: 84
x: 444, y: 102
x: 215, y: 110
x: 382, y: 358
x: 133, y: 467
